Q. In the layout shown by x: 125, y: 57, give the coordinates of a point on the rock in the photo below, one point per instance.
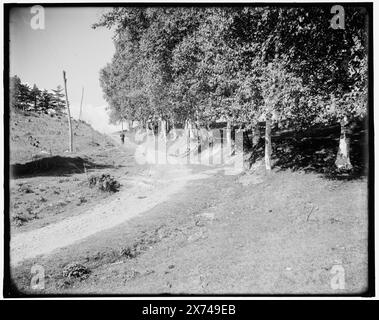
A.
x: 25, y: 189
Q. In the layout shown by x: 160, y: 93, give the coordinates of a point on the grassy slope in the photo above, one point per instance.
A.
x: 44, y: 187
x: 34, y: 135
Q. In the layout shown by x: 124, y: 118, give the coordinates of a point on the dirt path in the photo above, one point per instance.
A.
x: 199, y: 230
x: 143, y: 192
x: 146, y: 192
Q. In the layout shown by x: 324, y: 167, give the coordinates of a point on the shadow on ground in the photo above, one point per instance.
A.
x: 315, y: 150
x: 54, y: 166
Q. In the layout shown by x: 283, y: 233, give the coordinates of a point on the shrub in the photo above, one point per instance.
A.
x: 129, y: 252
x: 20, y: 218
x: 105, y: 182
x: 76, y: 270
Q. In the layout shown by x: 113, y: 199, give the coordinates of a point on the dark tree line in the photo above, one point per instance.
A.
x: 242, y: 64
x: 27, y: 98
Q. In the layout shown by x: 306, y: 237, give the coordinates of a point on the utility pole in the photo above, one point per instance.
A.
x: 81, y: 104
x: 71, y: 146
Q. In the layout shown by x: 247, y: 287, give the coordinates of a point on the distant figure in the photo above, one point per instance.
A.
x: 122, y: 135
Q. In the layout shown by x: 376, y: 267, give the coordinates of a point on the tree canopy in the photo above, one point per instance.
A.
x: 235, y: 62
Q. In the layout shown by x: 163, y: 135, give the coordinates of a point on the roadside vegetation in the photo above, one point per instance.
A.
x: 283, y: 66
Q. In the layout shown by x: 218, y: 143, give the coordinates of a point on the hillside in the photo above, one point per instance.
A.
x: 48, y: 183
x: 37, y: 135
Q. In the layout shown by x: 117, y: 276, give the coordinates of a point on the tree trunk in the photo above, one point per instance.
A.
x: 71, y: 146
x: 164, y: 129
x: 227, y: 140
x: 228, y: 134
x: 256, y: 134
x: 147, y: 128
x: 198, y: 133
x: 191, y: 129
x: 187, y: 133
x: 210, y: 144
x: 268, y: 146
x: 343, y: 154
x: 173, y: 129
x: 239, y: 163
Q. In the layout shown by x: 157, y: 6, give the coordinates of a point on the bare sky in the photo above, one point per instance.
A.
x: 67, y: 43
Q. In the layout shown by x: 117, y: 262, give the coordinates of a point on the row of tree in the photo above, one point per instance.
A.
x: 241, y: 64
x: 24, y: 97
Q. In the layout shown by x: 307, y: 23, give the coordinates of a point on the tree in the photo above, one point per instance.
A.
x: 46, y: 100
x: 145, y: 38
x: 24, y: 100
x: 332, y: 64
x: 239, y: 64
x: 14, y: 91
x: 57, y: 100
x: 35, y: 96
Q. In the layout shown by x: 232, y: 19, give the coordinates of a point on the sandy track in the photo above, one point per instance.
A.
x: 145, y: 193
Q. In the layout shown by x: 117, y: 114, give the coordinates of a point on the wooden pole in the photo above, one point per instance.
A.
x: 71, y: 146
x: 81, y: 104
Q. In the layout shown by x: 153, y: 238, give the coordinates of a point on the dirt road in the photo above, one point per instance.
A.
x: 195, y: 230
x: 146, y: 191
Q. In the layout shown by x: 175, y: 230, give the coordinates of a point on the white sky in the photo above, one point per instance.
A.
x: 67, y: 43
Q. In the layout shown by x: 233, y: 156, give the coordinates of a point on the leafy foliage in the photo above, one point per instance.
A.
x: 236, y: 63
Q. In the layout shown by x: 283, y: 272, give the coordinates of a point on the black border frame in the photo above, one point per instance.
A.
x: 9, y: 291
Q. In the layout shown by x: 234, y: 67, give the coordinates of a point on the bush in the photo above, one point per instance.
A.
x: 105, y: 182
x: 20, y: 218
x: 129, y: 252
x: 76, y: 270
